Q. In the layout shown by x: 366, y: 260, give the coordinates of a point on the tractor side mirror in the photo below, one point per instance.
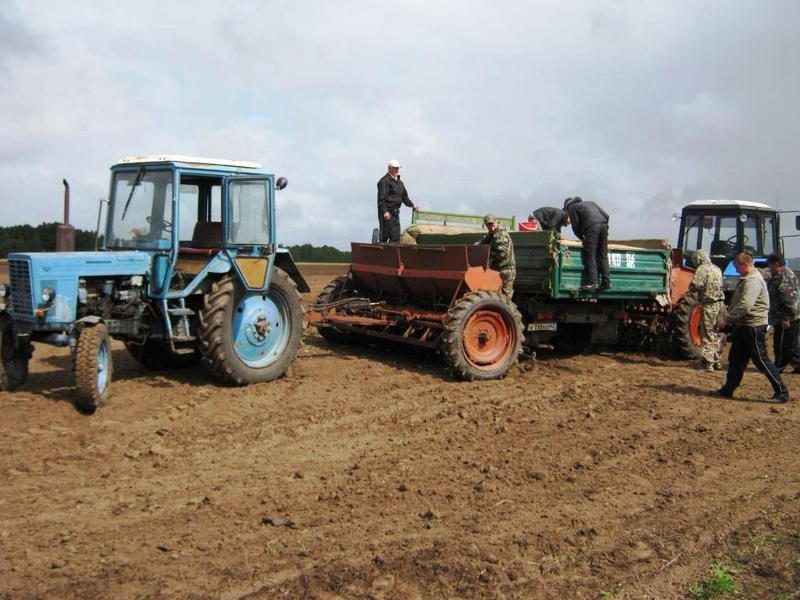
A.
x: 797, y: 222
x: 282, y: 182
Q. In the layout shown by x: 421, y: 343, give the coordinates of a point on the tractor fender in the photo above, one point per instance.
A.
x: 283, y: 259
x: 88, y: 320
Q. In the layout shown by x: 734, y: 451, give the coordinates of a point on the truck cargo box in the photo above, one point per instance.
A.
x: 552, y: 267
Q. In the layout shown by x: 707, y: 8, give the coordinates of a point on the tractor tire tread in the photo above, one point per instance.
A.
x: 450, y: 344
x: 86, y: 364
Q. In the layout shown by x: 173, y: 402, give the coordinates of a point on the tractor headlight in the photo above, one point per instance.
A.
x: 5, y: 291
x: 48, y: 294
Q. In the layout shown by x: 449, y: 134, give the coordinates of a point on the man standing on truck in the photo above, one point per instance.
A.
x: 501, y: 252
x: 747, y: 327
x: 550, y: 218
x: 784, y: 313
x: 590, y: 225
x: 707, y: 284
x: 391, y: 193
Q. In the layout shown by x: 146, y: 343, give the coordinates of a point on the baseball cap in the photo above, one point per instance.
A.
x: 394, y: 163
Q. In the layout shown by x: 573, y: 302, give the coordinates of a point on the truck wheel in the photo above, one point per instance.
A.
x: 482, y: 336
x: 13, y: 363
x: 156, y: 355
x: 93, y: 367
x: 248, y: 337
x: 686, y: 327
x: 330, y: 293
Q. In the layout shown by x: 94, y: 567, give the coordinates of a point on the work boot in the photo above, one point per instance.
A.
x: 718, y: 366
x: 708, y: 367
x: 589, y: 287
x: 778, y: 399
x: 722, y: 393
x: 605, y: 285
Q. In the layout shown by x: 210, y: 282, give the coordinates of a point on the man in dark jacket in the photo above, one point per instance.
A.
x: 391, y: 193
x: 590, y: 225
x: 784, y: 313
x: 550, y: 218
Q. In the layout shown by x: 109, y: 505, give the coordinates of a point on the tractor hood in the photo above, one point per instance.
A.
x: 83, y: 264
x: 32, y: 273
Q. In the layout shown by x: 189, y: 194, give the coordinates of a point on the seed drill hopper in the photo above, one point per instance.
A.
x: 444, y: 298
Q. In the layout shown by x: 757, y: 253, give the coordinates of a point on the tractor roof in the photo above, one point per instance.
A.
x: 192, y: 160
x: 727, y: 204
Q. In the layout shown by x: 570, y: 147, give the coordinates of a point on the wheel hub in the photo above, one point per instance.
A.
x: 261, y: 328
x: 487, y: 339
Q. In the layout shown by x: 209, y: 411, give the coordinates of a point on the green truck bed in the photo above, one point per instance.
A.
x: 549, y: 266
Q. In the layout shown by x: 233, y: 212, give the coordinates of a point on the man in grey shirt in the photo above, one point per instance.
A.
x: 747, y: 325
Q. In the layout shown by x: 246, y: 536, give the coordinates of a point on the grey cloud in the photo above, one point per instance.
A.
x: 641, y: 106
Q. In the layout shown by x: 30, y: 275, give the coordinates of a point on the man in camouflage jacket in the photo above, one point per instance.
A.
x: 707, y: 285
x: 784, y: 313
x: 501, y: 252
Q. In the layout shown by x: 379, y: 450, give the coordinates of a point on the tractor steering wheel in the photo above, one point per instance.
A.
x: 165, y: 225
x: 732, y: 240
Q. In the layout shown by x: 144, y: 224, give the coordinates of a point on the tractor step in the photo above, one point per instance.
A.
x: 180, y: 312
x: 185, y: 350
x: 177, y: 339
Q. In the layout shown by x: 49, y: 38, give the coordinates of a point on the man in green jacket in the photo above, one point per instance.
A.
x: 747, y: 323
x: 784, y: 313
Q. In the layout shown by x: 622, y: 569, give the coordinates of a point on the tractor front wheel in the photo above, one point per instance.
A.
x: 13, y: 361
x: 482, y: 336
x: 249, y: 337
x: 93, y: 367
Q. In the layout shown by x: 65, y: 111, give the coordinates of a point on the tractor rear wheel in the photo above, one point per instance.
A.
x: 482, y: 336
x: 13, y: 362
x: 331, y: 293
x: 687, y: 337
x: 249, y: 337
x: 93, y: 367
x: 156, y: 355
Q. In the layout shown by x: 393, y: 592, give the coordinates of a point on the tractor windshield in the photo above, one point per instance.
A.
x: 716, y: 234
x: 140, y: 214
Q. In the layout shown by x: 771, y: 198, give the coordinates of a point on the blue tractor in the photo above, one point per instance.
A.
x: 724, y: 228
x: 189, y: 271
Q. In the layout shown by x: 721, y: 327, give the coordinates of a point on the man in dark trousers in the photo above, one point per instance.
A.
x: 746, y: 326
x: 784, y: 313
x: 550, y: 218
x: 590, y: 225
x: 391, y: 193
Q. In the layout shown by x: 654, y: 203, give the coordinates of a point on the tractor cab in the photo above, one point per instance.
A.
x: 724, y: 228
x: 186, y: 211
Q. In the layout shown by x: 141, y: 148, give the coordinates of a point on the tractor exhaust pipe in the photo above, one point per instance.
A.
x: 65, y: 233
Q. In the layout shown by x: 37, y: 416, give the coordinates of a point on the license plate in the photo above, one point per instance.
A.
x: 542, y: 326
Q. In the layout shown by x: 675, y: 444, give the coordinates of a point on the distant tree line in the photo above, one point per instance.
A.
x: 42, y: 238
x: 309, y: 253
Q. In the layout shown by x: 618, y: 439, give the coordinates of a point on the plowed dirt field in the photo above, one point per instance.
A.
x: 369, y: 472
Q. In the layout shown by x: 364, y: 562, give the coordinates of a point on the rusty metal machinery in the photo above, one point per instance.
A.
x: 442, y: 297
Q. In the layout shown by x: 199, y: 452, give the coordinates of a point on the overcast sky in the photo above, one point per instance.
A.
x: 490, y: 106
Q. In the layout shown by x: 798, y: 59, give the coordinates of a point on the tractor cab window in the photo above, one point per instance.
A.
x: 140, y: 214
x: 200, y: 206
x: 713, y: 233
x: 768, y: 235
x: 750, y: 235
x: 248, y: 209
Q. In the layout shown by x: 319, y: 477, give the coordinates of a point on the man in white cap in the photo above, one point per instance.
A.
x: 391, y: 193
